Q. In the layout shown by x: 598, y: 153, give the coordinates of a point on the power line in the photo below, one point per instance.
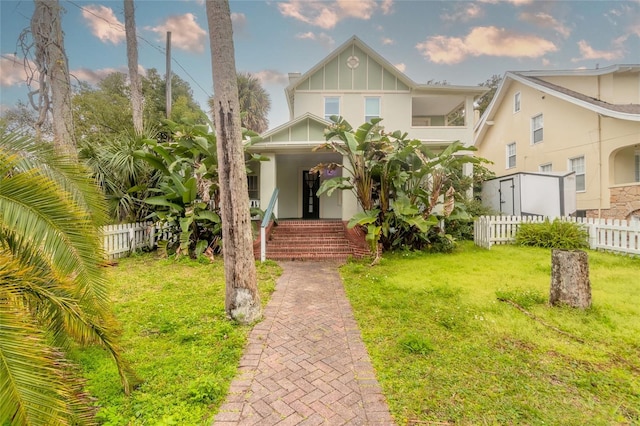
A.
x: 119, y: 26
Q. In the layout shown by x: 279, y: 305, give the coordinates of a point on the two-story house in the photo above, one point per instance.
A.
x: 358, y: 84
x: 586, y: 121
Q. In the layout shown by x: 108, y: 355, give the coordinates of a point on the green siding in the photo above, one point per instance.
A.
x: 316, y: 131
x: 304, y: 85
x: 299, y: 131
x: 331, y: 75
x: 317, y: 80
x: 402, y: 86
x: 282, y: 136
x: 345, y: 71
x: 375, y: 75
x: 389, y: 81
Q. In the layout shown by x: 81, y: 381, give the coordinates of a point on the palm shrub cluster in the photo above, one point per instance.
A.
x: 185, y: 200
x: 52, y: 291
x: 403, y: 187
x: 556, y: 234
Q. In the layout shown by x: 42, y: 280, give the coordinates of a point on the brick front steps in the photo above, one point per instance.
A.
x: 308, y: 240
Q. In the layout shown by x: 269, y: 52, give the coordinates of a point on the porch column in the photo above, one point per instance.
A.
x: 467, y: 171
x: 268, y: 181
x: 349, y: 202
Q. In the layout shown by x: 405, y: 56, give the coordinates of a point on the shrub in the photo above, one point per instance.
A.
x: 557, y: 234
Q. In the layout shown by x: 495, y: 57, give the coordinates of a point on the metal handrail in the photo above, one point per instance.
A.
x: 265, y: 222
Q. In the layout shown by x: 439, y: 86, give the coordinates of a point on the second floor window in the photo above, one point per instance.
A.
x: 511, y: 155
x: 516, y: 102
x: 331, y: 107
x: 371, y: 108
x: 536, y: 129
x: 577, y: 165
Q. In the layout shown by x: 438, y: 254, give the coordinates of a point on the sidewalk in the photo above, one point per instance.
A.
x: 305, y: 363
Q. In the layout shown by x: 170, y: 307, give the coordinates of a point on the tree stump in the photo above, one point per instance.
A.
x: 570, y: 284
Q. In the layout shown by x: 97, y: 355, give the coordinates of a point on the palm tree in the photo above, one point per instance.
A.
x: 255, y: 103
x: 52, y: 290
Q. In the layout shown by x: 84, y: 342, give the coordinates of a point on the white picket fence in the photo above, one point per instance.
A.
x: 604, y: 234
x: 121, y: 240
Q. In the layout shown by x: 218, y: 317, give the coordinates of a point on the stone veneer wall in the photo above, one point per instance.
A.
x: 625, y: 201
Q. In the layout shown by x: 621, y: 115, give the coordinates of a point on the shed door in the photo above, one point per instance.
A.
x: 507, y: 198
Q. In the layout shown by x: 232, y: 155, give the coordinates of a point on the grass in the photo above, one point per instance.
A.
x: 177, y: 338
x: 447, y: 351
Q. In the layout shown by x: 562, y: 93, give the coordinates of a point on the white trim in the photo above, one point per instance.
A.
x: 540, y: 167
x: 584, y: 173
x: 517, y: 101
x: 509, y: 155
x: 533, y: 131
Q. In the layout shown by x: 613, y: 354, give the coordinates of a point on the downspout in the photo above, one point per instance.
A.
x: 599, y: 155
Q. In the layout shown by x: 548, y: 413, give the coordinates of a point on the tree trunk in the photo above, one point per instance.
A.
x: 132, y: 61
x: 53, y: 67
x: 242, y: 301
x: 570, y: 283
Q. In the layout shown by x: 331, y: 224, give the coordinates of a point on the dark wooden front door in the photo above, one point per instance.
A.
x: 310, y: 201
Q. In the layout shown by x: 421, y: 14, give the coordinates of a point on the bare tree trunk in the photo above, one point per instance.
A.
x: 132, y: 60
x: 53, y: 68
x: 242, y: 301
x: 570, y: 283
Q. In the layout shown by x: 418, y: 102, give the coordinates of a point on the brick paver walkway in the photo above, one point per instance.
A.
x: 305, y: 363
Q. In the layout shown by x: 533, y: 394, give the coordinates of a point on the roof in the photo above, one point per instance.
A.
x: 388, y: 66
x: 629, y: 112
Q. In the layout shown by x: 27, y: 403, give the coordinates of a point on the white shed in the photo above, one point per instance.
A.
x: 551, y: 194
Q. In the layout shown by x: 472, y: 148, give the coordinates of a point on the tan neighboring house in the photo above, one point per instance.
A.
x: 358, y: 84
x: 586, y: 121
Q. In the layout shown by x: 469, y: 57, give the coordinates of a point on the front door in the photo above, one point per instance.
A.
x: 310, y: 201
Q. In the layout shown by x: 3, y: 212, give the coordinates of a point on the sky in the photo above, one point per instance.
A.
x: 460, y: 42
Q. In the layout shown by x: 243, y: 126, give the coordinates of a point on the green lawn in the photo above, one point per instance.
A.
x: 448, y: 351
x: 176, y: 336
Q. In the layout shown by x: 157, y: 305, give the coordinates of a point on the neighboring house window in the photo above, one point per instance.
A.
x: 577, y: 165
x: 331, y: 107
x: 511, y: 155
x: 536, y: 129
x: 371, y: 108
x: 637, y: 166
x: 516, y: 102
x: 545, y: 168
x: 254, y: 189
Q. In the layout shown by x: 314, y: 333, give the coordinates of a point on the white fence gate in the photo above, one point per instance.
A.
x: 120, y: 240
x: 604, y: 234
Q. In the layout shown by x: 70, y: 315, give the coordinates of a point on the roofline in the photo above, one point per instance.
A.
x: 295, y: 121
x: 520, y: 76
x: 572, y: 99
x: 362, y: 45
x: 580, y: 72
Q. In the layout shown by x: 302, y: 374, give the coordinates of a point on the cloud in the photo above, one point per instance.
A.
x: 93, y: 77
x: 326, y: 14
x: 186, y: 34
x: 387, y: 41
x: 239, y: 22
x: 513, y: 2
x: 324, y: 39
x: 463, y: 12
x: 387, y: 7
x: 401, y: 66
x: 484, y: 41
x: 13, y: 71
x: 272, y: 77
x: 544, y: 20
x: 104, y: 24
x: 587, y: 52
